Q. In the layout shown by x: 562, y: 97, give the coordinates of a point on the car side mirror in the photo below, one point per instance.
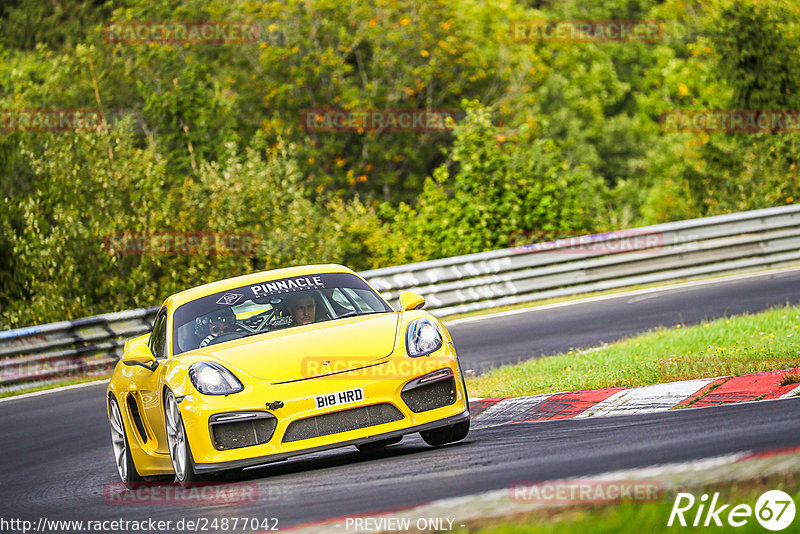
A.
x: 141, y: 355
x: 411, y: 301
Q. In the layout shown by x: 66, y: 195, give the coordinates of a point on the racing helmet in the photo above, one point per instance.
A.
x: 215, y: 323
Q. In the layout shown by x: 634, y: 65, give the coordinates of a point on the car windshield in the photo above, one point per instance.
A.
x: 272, y: 305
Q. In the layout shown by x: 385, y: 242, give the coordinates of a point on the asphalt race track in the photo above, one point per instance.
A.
x: 508, y: 339
x: 57, y: 461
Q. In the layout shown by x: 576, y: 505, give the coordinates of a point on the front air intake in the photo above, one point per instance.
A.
x: 434, y: 390
x: 241, y: 429
x: 342, y: 421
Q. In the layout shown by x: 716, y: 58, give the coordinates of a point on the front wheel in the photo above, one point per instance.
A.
x: 122, y: 452
x: 448, y: 434
x: 179, y: 451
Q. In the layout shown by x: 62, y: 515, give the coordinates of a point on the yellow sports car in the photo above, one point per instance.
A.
x: 259, y: 368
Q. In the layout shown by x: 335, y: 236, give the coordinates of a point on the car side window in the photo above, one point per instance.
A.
x: 341, y: 299
x: 360, y: 302
x: 158, y: 338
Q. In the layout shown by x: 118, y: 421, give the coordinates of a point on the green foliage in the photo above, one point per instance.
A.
x: 497, y: 188
x: 79, y: 195
x: 553, y: 138
x: 757, y: 45
x: 58, y: 23
x: 97, y: 186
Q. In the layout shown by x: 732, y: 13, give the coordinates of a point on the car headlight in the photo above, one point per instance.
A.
x: 422, y: 337
x: 211, y: 378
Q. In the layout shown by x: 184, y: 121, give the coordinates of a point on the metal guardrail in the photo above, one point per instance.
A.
x: 722, y: 244
x: 38, y: 355
x: 738, y: 242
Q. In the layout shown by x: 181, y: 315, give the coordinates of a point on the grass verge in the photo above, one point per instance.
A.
x: 791, y: 378
x: 637, y: 517
x: 729, y: 346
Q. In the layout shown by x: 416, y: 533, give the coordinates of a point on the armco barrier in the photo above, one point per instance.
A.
x: 738, y: 242
x: 84, y: 347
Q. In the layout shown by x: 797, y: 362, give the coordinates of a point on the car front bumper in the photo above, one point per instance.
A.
x: 298, y: 404
x: 272, y: 458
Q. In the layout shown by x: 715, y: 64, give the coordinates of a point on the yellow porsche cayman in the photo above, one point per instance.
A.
x: 259, y: 368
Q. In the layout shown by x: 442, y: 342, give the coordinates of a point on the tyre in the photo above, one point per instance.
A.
x: 122, y: 451
x: 448, y: 434
x: 377, y: 445
x: 179, y: 451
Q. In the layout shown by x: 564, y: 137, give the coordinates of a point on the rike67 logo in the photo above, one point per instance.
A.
x: 774, y: 510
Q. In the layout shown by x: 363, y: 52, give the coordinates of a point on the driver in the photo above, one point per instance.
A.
x: 302, y: 307
x: 214, y: 324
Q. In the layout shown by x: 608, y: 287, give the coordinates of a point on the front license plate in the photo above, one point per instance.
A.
x: 337, y: 399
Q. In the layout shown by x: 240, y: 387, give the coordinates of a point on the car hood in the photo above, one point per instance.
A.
x: 303, y: 352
